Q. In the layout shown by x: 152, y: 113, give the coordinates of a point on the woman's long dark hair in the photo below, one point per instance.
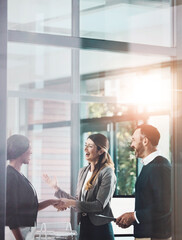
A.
x: 104, y: 159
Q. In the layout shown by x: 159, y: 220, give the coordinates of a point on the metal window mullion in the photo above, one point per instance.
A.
x: 177, y: 128
x: 173, y: 22
x: 88, y: 43
x: 3, y: 120
x: 75, y: 107
x: 75, y: 18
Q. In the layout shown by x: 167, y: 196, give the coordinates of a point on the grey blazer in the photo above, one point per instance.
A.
x: 97, y: 199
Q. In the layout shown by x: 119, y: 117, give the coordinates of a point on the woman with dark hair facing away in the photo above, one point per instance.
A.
x: 21, y: 198
x: 95, y: 188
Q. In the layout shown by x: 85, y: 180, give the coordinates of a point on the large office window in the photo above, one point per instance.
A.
x: 83, y: 66
x: 116, y: 96
x: 146, y: 21
x: 53, y: 17
x: 39, y: 107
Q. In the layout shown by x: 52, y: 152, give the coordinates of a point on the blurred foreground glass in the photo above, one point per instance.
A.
x: 145, y: 22
x: 47, y: 16
x: 36, y: 68
x: 125, y: 82
x: 118, y: 92
x: 39, y: 106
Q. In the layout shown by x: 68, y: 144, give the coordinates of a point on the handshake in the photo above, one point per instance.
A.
x: 63, y: 203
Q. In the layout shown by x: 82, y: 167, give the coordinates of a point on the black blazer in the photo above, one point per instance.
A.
x: 21, y: 200
x: 153, y: 200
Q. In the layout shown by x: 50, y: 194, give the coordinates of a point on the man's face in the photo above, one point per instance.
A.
x: 137, y: 143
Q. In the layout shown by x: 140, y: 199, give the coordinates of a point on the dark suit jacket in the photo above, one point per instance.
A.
x: 153, y: 200
x: 21, y: 200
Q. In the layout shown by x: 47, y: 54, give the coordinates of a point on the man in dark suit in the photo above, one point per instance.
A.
x: 152, y: 215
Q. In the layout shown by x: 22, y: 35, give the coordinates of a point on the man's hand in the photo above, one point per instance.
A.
x: 125, y: 220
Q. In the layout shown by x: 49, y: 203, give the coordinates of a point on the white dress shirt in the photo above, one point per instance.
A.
x: 150, y: 157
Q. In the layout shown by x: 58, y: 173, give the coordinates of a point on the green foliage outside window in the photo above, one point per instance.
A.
x: 125, y: 158
x: 125, y: 161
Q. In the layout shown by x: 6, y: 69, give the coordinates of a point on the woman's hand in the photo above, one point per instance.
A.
x: 51, y: 181
x: 60, y: 205
x: 65, y: 203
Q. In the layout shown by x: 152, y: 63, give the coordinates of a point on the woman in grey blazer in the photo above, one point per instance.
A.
x: 95, y: 188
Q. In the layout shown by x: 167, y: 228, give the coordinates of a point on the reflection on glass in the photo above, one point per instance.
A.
x: 46, y: 114
x: 129, y: 81
x: 118, y: 92
x: 47, y: 125
x: 39, y: 68
x: 146, y: 21
x: 51, y: 155
x: 40, y: 16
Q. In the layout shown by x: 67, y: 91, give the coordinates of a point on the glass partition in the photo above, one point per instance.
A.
x: 39, y: 106
x: 52, y: 17
x: 36, y: 68
x: 118, y: 92
x: 145, y: 22
x: 59, y: 95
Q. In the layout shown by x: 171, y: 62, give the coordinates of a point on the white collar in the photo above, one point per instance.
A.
x: 150, y: 158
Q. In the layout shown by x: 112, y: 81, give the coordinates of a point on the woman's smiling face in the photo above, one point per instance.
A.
x: 91, y: 151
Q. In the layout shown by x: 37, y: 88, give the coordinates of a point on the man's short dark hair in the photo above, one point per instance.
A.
x: 150, y: 132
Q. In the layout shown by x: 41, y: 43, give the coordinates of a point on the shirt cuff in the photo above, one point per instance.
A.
x: 136, y: 217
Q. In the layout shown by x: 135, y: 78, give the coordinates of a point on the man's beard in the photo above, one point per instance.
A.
x: 139, y: 151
